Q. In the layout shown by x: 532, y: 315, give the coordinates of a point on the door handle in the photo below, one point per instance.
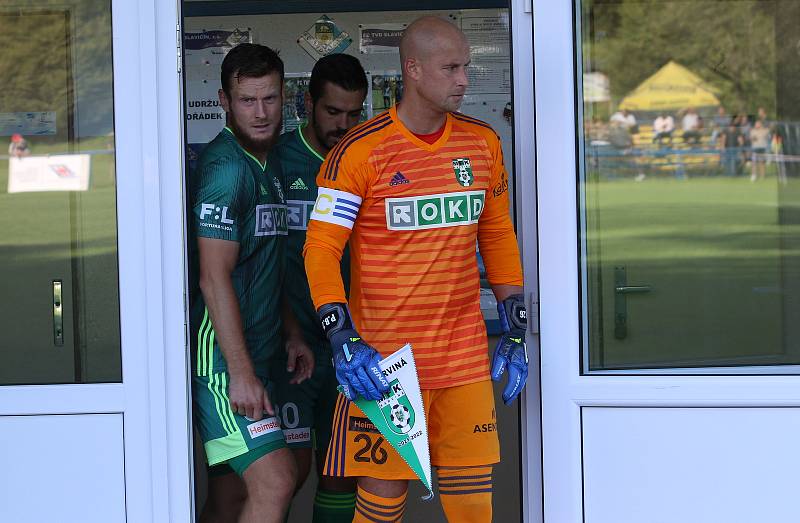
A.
x: 58, y: 314
x: 621, y: 292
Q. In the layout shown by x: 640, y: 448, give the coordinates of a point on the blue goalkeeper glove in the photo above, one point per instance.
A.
x: 355, y: 361
x: 510, y: 352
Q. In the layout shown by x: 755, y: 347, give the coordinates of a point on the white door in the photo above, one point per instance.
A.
x: 668, y: 264
x: 91, y: 265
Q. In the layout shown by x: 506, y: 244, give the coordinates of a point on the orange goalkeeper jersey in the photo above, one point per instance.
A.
x: 412, y: 212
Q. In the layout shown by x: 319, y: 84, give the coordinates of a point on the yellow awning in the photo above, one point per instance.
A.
x: 672, y: 87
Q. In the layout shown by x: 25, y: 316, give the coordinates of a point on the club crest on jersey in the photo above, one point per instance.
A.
x: 434, y: 211
x: 463, y: 169
x: 278, y: 188
x: 397, y: 409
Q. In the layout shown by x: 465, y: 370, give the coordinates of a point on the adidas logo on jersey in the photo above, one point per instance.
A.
x: 398, y: 179
x: 434, y: 211
x: 298, y: 185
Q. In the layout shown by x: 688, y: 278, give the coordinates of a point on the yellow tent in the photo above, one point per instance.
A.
x: 671, y: 87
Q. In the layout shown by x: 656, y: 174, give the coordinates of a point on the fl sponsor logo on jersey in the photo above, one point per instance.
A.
x: 215, y: 216
x: 434, y: 211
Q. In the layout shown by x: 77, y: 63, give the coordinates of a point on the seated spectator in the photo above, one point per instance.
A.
x: 626, y: 120
x: 663, y: 126
x: 691, y: 126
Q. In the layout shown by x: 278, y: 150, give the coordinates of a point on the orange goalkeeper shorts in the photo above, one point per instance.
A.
x: 462, y: 432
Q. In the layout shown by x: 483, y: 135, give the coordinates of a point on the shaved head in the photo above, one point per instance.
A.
x: 434, y: 56
x: 425, y: 36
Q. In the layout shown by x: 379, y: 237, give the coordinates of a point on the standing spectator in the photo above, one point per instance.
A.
x: 18, y: 146
x: 759, y: 142
x: 742, y: 123
x: 691, y: 126
x: 663, y: 126
x: 719, y: 123
x: 731, y: 140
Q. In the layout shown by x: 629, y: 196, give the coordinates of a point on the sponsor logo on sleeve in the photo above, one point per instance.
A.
x: 215, y: 217
x: 271, y: 220
x: 338, y: 207
x: 298, y: 214
x: 434, y: 211
x: 263, y: 427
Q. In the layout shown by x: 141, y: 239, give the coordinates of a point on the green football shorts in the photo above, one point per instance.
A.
x: 227, y: 436
x: 306, y: 410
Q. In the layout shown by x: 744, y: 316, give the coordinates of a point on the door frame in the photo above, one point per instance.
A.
x: 526, y: 213
x: 565, y: 391
x: 154, y: 404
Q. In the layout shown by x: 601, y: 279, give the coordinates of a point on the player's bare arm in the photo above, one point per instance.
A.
x: 217, y: 261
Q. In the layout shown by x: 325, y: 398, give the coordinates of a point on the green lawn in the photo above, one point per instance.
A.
x: 720, y: 254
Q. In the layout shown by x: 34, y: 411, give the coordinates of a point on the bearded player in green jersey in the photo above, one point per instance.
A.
x: 238, y: 226
x: 334, y: 102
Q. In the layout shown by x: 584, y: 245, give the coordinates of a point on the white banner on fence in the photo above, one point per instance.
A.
x: 64, y: 172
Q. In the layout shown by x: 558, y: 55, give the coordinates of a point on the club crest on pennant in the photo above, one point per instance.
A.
x: 397, y: 409
x: 463, y: 170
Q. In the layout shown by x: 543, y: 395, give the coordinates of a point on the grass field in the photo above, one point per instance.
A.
x: 721, y: 256
x: 67, y: 236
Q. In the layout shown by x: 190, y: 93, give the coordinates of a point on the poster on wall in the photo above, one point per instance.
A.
x: 380, y: 38
x: 295, y: 87
x: 387, y: 90
x: 324, y: 37
x: 204, y: 52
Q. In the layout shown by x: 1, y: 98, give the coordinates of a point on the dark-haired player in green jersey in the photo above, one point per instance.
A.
x: 334, y: 102
x: 238, y: 226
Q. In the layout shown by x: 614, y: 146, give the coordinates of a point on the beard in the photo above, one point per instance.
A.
x: 250, y: 143
x: 329, y: 139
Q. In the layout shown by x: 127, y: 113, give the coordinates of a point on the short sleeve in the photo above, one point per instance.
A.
x: 218, y: 210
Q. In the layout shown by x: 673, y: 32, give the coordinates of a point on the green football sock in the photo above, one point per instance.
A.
x: 334, y: 507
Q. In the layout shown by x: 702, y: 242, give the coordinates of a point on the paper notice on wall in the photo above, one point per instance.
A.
x: 380, y: 38
x: 63, y: 172
x: 204, y: 52
x: 490, y: 70
x: 205, y: 117
x: 400, y: 414
x: 324, y: 37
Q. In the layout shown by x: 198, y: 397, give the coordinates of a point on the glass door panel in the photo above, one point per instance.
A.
x: 689, y: 183
x: 58, y: 250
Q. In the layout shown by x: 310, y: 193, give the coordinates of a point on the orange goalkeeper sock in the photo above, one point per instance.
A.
x: 466, y: 494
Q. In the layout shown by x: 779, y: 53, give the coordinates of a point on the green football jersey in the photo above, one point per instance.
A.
x: 299, y: 166
x: 234, y: 197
